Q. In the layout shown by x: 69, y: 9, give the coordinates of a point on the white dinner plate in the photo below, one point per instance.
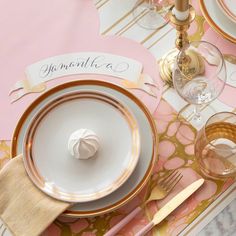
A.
x: 148, y: 144
x: 49, y: 163
x: 229, y: 8
x: 218, y: 20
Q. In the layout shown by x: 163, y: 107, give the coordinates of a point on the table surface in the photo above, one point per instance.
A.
x: 225, y: 222
x: 222, y: 224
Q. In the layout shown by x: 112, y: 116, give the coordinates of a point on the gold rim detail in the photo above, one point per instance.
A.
x: 227, y: 10
x: 54, y: 191
x: 84, y: 81
x: 213, y: 24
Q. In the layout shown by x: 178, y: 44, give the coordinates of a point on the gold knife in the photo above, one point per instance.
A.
x: 171, y: 206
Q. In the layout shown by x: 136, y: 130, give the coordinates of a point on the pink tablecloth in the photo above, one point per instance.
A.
x: 37, y: 30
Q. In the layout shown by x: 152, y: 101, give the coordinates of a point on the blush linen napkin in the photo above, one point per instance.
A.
x: 24, y: 208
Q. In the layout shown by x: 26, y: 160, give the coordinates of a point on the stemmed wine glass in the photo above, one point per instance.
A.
x: 150, y: 14
x: 199, y: 76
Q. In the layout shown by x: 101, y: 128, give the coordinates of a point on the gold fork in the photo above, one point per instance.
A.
x: 160, y: 191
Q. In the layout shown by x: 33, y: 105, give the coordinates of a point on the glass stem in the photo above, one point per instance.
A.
x: 197, y: 113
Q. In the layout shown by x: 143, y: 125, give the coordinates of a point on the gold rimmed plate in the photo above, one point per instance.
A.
x: 49, y: 163
x: 229, y: 8
x: 148, y: 142
x: 218, y: 20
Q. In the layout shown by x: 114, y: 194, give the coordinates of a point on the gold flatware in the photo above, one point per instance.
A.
x: 163, y: 187
x: 171, y: 206
x: 159, y: 192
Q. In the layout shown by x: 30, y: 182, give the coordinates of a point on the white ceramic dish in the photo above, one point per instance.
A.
x: 148, y: 145
x: 218, y: 20
x: 49, y: 163
x: 229, y: 8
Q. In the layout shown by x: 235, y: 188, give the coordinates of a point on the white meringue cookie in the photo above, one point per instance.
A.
x: 83, y: 144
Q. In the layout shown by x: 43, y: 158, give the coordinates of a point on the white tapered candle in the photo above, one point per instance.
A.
x: 181, y: 9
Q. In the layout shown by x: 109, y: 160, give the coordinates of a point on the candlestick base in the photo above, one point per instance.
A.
x: 168, y: 60
x: 166, y: 66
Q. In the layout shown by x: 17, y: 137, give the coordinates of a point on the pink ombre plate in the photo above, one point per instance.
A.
x: 49, y: 163
x: 229, y: 8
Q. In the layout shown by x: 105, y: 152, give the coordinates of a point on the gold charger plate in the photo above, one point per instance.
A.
x: 148, y: 134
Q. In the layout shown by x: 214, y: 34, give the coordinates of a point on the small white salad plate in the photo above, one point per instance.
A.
x: 55, y: 171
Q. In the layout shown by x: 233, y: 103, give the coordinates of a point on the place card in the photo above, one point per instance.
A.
x: 83, y: 63
x: 99, y: 63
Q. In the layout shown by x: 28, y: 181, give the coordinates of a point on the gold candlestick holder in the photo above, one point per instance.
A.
x: 167, y: 61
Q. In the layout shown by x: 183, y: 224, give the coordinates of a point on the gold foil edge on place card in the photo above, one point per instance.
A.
x: 145, y: 83
x: 23, y: 87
